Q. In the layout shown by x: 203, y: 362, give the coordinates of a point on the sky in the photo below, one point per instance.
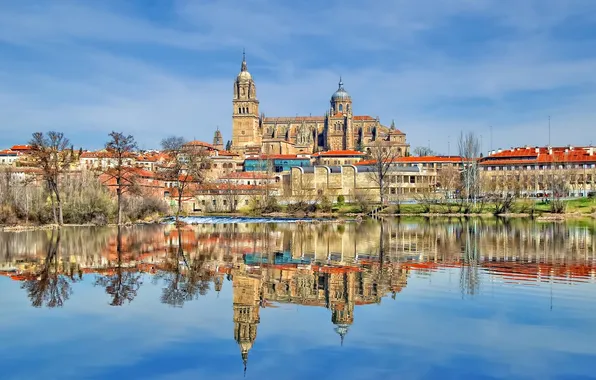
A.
x: 155, y: 68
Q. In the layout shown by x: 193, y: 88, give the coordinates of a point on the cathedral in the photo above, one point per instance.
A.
x: 338, y: 129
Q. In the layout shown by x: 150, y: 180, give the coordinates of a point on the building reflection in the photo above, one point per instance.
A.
x: 334, y: 266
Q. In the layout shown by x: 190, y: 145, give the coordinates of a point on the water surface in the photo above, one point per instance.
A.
x: 396, y: 299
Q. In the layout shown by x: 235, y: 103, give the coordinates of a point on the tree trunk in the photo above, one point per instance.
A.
x: 119, y: 196
x: 54, y: 213
x: 59, y: 202
x: 180, y: 190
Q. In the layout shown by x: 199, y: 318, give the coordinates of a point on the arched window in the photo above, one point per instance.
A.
x: 341, y: 107
x: 239, y: 110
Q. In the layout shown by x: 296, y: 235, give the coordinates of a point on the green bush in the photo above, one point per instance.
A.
x: 341, y: 199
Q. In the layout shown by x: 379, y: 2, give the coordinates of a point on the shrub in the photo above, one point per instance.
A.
x: 324, y: 204
x: 139, y: 208
x: 341, y: 199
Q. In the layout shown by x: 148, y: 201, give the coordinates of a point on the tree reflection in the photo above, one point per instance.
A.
x: 47, y: 286
x: 184, y: 279
x: 123, y: 284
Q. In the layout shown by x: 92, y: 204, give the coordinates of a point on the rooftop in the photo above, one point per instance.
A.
x: 339, y: 153
x: 537, y: 155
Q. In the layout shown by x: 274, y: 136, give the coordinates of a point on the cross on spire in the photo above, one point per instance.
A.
x: 243, y: 67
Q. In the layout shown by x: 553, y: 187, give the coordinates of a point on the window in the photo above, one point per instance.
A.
x: 412, y: 179
x: 341, y: 107
x: 214, y: 202
x: 225, y: 202
x: 246, y: 201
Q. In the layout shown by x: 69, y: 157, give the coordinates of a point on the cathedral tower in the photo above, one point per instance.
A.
x: 247, y: 295
x: 245, y: 119
x: 218, y: 140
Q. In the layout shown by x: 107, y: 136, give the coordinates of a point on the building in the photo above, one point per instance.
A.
x: 276, y: 163
x: 250, y: 178
x: 358, y: 182
x: 147, y: 182
x: 338, y: 129
x: 9, y: 157
x: 338, y: 157
x: 533, y: 171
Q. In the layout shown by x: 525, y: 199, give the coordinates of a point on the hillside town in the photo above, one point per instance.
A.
x: 338, y: 158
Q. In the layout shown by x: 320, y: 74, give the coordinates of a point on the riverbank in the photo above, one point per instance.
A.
x: 574, y: 209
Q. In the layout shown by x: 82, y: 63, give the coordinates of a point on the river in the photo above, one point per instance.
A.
x: 409, y: 298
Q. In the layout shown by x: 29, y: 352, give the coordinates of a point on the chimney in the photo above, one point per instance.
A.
x: 537, y: 150
x: 500, y: 150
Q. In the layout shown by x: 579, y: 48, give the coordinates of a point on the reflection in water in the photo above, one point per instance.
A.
x: 333, y: 266
x: 121, y: 283
x: 49, y: 283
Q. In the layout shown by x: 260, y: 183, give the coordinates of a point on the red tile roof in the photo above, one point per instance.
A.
x: 21, y: 147
x: 104, y: 154
x: 422, y: 159
x: 339, y: 153
x: 540, y: 155
x: 199, y: 143
x: 363, y: 117
x: 8, y: 152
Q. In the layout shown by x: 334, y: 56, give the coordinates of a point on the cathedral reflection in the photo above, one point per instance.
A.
x: 334, y: 266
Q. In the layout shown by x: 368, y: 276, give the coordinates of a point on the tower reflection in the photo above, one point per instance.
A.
x: 338, y: 267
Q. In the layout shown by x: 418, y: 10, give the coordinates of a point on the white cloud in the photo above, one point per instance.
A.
x: 118, y: 74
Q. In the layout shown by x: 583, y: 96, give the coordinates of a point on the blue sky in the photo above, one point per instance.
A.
x: 157, y: 68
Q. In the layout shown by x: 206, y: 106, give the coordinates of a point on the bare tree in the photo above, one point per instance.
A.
x: 558, y: 185
x: 52, y: 155
x: 121, y: 147
x: 184, y: 167
x: 421, y: 151
x: 448, y: 180
x: 383, y: 156
x: 231, y: 194
x: 469, y: 151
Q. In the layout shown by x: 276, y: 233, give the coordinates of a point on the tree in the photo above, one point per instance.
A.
x: 469, y: 151
x: 184, y: 167
x: 558, y: 185
x: 383, y: 156
x: 421, y: 151
x: 51, y: 154
x: 448, y: 180
x: 231, y: 194
x: 121, y: 146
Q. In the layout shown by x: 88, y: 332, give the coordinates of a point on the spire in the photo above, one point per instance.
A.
x: 393, y: 124
x: 341, y: 84
x: 243, y: 67
x: 245, y: 361
x: 342, y: 330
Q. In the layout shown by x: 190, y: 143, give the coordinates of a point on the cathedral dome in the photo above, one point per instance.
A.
x: 244, y: 75
x: 341, y: 93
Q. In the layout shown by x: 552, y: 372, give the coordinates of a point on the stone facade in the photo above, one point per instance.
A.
x: 338, y: 129
x: 352, y: 182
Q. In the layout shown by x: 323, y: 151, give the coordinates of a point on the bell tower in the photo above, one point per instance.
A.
x: 245, y: 112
